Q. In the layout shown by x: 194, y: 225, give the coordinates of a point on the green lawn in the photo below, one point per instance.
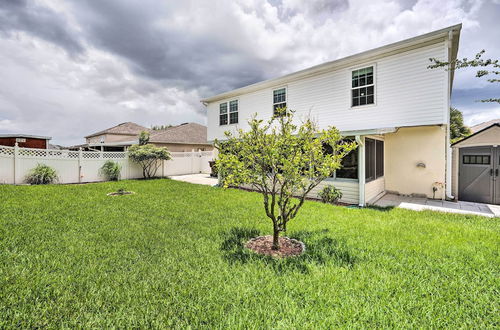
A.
x: 171, y: 256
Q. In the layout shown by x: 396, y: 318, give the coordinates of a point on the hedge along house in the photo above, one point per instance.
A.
x: 385, y: 98
x: 476, y: 164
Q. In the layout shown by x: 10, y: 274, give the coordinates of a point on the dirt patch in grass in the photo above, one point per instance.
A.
x: 289, y: 247
x: 120, y: 193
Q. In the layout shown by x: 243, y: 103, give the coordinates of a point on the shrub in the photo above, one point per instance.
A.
x: 42, y: 174
x: 111, y: 170
x: 330, y: 194
x: 149, y: 157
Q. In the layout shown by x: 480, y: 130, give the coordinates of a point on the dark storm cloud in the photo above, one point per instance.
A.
x: 26, y: 16
x: 151, y: 61
x: 133, y: 32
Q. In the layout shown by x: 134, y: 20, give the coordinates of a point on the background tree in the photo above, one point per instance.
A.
x: 281, y: 161
x: 149, y: 157
x: 160, y: 127
x: 143, y: 138
x: 457, y: 128
x: 477, y: 62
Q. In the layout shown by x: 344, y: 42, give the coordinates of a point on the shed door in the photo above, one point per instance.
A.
x: 478, y: 173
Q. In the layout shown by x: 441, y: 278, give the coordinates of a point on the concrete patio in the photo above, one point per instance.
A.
x: 200, y: 178
x: 420, y: 204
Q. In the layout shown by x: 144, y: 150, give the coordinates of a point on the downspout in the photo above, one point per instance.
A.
x: 361, y: 169
x: 448, y: 146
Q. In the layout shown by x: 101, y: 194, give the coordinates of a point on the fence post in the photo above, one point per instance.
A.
x: 16, y: 161
x: 193, y: 158
x: 127, y: 164
x: 200, y: 161
x: 80, y: 155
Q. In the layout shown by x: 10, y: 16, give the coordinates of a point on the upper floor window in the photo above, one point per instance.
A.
x: 279, y: 100
x: 223, y: 114
x: 363, y: 87
x: 230, y: 116
x: 233, y: 112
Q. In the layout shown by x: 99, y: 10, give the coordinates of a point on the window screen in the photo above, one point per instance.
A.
x: 279, y: 100
x: 223, y: 114
x: 362, y: 87
x: 233, y: 112
x: 349, y: 169
x: 374, y: 159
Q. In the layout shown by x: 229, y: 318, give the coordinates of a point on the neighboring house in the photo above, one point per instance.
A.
x: 386, y: 99
x: 116, y: 138
x: 181, y: 138
x: 25, y: 141
x: 476, y: 164
x: 184, y: 137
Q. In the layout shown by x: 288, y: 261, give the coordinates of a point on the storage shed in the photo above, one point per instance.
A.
x: 476, y: 165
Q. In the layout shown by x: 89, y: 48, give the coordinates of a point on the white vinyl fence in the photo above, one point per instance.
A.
x: 83, y: 166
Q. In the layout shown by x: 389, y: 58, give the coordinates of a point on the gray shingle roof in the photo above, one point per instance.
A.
x: 127, y: 128
x: 189, y: 133
x: 478, y: 127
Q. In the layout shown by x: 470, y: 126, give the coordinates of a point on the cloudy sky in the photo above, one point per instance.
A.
x: 69, y: 68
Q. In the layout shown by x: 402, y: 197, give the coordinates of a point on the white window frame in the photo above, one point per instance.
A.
x: 286, y: 97
x: 374, y: 84
x: 228, y: 107
x: 227, y: 114
x: 229, y: 111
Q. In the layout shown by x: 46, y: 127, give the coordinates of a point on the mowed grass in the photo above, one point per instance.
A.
x: 171, y: 256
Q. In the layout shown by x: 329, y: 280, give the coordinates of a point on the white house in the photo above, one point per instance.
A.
x: 385, y: 98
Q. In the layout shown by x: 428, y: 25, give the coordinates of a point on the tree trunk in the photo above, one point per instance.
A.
x: 276, y: 239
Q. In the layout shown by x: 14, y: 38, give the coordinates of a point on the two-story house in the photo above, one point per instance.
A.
x: 385, y: 98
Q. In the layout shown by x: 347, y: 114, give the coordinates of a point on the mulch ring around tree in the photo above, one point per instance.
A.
x: 289, y: 247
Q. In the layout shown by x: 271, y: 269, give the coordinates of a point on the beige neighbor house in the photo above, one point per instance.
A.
x: 386, y: 99
x: 182, y: 138
x: 476, y: 164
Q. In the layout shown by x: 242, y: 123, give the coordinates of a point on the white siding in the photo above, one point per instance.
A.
x: 374, y: 189
x: 407, y: 94
x: 350, y: 190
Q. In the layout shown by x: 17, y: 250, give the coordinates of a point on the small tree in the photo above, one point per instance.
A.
x: 281, y: 161
x: 143, y: 138
x: 457, y: 128
x: 149, y: 157
x: 474, y: 63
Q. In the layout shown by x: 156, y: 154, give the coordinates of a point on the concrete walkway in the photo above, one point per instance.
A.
x: 420, y: 204
x: 200, y: 178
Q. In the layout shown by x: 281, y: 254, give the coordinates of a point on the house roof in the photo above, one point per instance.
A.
x: 485, y: 128
x: 187, y: 133
x: 481, y: 126
x: 452, y: 32
x: 127, y: 128
x: 25, y: 136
